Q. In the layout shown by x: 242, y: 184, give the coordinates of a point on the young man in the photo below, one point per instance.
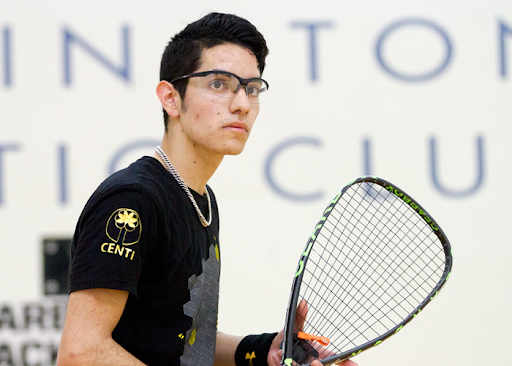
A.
x: 145, y: 258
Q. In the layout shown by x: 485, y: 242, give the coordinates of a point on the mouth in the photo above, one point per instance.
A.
x: 236, y: 126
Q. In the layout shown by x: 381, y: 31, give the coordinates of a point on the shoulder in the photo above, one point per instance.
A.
x: 146, y: 171
x: 141, y: 187
x: 146, y: 178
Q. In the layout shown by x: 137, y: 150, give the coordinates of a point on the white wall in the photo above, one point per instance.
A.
x: 349, y: 100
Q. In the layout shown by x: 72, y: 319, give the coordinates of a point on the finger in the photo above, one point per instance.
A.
x: 275, y: 353
x: 300, y: 315
x: 274, y: 358
x: 279, y: 338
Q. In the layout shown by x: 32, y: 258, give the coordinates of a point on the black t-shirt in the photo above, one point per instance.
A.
x: 140, y: 233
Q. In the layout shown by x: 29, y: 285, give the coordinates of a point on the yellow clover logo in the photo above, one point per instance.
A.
x: 124, y: 226
x: 129, y: 218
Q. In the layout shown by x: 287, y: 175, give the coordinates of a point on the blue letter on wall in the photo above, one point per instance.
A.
x: 503, y: 52
x: 6, y: 37
x: 312, y: 28
x: 123, y: 70
x: 63, y: 173
x: 269, y: 174
x: 367, y: 166
x: 450, y: 192
x: 408, y: 77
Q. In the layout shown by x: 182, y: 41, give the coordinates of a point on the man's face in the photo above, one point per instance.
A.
x: 216, y: 126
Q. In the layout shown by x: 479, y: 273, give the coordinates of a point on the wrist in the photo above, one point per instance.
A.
x: 253, y: 350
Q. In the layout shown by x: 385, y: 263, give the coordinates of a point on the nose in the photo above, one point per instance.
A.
x: 240, y: 103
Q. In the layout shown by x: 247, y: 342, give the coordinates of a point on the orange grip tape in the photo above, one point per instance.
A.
x: 310, y: 337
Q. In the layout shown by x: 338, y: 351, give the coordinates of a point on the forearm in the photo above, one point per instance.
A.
x: 106, y: 352
x: 87, y: 335
x: 225, y: 349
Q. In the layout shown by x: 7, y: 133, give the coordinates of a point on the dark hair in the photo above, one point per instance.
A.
x: 183, y: 53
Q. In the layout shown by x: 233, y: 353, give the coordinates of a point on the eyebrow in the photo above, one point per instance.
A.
x: 220, y: 71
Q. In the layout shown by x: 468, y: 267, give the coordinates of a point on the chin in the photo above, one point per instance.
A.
x: 234, y: 149
x: 234, y: 152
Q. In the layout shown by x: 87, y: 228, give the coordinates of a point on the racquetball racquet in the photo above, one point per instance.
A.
x: 375, y: 259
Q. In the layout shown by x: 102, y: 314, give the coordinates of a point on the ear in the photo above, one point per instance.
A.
x: 169, y: 98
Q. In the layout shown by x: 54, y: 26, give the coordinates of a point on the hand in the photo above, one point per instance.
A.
x: 275, y: 353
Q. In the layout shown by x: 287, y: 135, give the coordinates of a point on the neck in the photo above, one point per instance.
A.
x: 194, y: 167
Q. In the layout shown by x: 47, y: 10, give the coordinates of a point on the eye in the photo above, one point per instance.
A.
x: 218, y: 85
x: 253, y: 91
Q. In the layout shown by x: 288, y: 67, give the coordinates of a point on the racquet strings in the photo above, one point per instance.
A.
x: 374, y: 261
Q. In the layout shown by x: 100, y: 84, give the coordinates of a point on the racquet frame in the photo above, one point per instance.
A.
x: 295, y: 292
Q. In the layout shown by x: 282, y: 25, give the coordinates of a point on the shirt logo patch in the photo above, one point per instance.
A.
x: 124, y: 227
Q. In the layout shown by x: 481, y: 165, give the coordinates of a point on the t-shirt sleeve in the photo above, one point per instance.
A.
x: 112, y: 240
